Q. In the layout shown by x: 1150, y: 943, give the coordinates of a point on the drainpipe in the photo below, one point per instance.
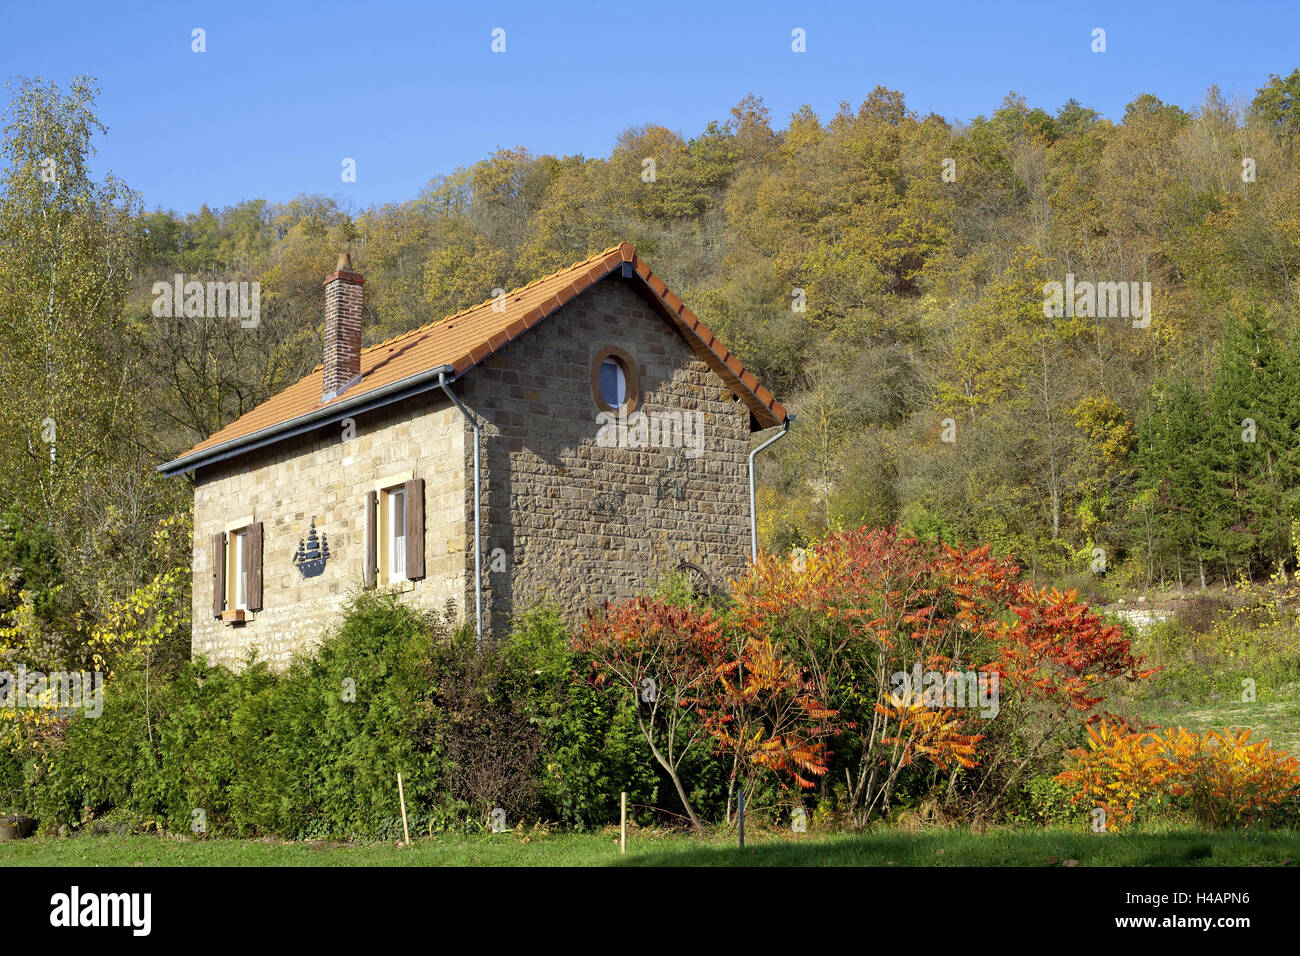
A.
x: 478, y: 545
x: 753, y: 510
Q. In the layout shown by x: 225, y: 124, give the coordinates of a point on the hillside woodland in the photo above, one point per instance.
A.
x: 883, y: 272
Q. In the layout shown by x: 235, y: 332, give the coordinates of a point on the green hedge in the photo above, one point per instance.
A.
x: 314, y: 751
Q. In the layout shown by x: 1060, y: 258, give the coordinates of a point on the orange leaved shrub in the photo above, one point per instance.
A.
x: 692, y: 681
x: 1223, y: 779
x: 873, y: 613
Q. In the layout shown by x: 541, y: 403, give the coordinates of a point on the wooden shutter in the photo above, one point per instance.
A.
x: 218, y: 574
x: 372, y: 531
x: 253, y: 564
x: 414, y: 523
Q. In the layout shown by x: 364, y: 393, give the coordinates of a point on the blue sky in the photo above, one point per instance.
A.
x: 286, y: 91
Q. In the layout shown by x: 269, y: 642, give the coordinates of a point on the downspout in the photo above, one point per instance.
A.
x: 478, y: 546
x: 753, y: 509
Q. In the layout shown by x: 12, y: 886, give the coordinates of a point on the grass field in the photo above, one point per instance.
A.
x: 1170, y: 847
x: 1278, y: 721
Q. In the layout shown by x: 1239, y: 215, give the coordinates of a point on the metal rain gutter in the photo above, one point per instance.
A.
x: 394, y: 392
x: 753, y: 510
x: 442, y: 371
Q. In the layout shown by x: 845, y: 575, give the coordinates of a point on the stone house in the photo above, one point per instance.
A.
x: 571, y: 440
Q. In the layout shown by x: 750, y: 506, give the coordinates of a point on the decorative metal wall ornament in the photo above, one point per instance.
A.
x: 670, y: 488
x: 673, y: 484
x: 608, y: 503
x: 312, y: 554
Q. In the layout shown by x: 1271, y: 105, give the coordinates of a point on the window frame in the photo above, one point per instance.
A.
x: 631, y: 380
x: 382, y: 566
x: 386, y: 490
x: 620, y: 379
x: 238, y: 564
x: 237, y: 588
x: 395, y: 511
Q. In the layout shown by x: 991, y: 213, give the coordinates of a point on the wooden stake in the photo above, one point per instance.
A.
x: 401, y: 795
x: 622, y: 823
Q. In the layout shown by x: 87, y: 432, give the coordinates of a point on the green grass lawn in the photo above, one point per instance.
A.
x: 885, y: 847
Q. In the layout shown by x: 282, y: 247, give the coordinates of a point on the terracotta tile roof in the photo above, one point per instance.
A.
x: 468, y: 337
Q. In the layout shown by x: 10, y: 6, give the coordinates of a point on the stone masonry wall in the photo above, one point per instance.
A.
x: 578, y: 523
x: 319, y: 474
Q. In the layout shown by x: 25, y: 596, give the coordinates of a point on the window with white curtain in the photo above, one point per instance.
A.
x: 396, y: 501
x: 238, y: 593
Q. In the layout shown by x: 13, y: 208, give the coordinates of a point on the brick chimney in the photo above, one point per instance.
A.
x: 342, y: 328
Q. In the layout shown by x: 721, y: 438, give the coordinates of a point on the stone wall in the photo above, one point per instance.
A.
x: 578, y: 523
x: 321, y: 475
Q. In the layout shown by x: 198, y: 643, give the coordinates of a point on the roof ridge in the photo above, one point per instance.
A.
x: 478, y: 305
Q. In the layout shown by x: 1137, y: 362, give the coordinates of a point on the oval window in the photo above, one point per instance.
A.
x: 613, y: 383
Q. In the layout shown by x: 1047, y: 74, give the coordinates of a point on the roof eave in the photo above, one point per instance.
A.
x: 408, y: 387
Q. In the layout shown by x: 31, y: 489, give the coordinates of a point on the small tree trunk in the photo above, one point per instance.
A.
x: 681, y: 794
x: 677, y: 782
